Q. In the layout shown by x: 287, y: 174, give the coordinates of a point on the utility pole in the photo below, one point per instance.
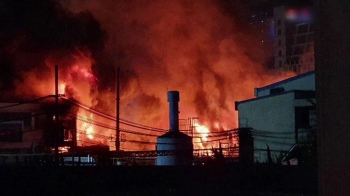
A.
x: 117, y: 110
x: 56, y: 127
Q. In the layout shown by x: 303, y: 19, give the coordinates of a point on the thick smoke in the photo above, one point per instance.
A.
x: 35, y: 35
x: 190, y: 46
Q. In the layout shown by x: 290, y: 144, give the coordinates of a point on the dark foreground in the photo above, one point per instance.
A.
x: 152, y: 180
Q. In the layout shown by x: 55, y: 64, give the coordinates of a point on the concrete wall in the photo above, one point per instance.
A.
x: 301, y: 82
x: 272, y: 114
x: 273, y: 121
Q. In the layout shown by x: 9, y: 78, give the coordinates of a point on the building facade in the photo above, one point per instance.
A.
x: 294, y: 38
x: 280, y: 115
x: 30, y: 128
x: 21, y: 128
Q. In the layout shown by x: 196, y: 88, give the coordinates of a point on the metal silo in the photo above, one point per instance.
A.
x: 174, y: 147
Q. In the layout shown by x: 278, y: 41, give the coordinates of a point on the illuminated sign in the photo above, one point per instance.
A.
x: 299, y: 15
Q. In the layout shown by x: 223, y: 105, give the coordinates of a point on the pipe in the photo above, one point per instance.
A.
x: 56, y: 129
x: 173, y: 99
x: 117, y: 111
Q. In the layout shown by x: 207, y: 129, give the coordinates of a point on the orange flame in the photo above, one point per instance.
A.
x: 89, y: 132
x: 62, y: 88
x: 203, y: 131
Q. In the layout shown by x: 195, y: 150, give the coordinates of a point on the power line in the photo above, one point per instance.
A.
x: 110, y: 117
x: 90, y: 121
x: 87, y: 120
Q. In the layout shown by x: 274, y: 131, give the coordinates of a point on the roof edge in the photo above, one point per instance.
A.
x: 285, y: 81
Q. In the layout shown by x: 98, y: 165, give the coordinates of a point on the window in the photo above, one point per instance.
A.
x: 12, y: 125
x: 302, y: 117
x: 309, y: 48
x: 17, y: 116
x: 280, y: 53
x: 279, y: 42
x: 294, y: 69
x: 11, y: 132
x: 298, y: 50
x: 280, y: 63
x: 312, y: 28
x: 279, y: 32
x: 279, y: 22
x: 310, y: 38
x: 301, y: 39
x: 303, y: 28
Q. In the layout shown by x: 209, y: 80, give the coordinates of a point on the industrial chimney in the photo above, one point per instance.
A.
x: 173, y: 99
x: 174, y: 147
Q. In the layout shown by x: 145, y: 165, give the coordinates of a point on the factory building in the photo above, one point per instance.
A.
x: 29, y: 128
x: 280, y: 115
x: 21, y: 128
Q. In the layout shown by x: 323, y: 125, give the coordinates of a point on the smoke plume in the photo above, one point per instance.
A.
x: 36, y: 35
x: 191, y: 46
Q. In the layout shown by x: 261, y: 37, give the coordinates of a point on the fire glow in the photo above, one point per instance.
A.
x: 189, y: 46
x: 143, y: 94
x: 203, y: 131
x: 62, y: 88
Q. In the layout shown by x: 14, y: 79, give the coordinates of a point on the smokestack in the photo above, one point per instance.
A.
x: 173, y: 99
x: 174, y: 140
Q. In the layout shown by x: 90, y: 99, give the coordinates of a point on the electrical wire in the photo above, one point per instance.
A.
x: 113, y: 118
x: 90, y: 121
x: 87, y: 120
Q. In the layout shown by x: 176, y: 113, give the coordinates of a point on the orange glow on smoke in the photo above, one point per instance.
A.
x: 190, y: 46
x: 206, y: 58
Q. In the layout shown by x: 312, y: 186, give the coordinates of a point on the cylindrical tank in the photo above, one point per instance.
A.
x: 177, y: 148
x: 174, y: 147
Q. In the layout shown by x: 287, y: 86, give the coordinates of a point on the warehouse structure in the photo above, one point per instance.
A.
x: 280, y: 115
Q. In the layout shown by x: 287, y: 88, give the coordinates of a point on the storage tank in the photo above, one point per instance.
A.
x: 174, y: 147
